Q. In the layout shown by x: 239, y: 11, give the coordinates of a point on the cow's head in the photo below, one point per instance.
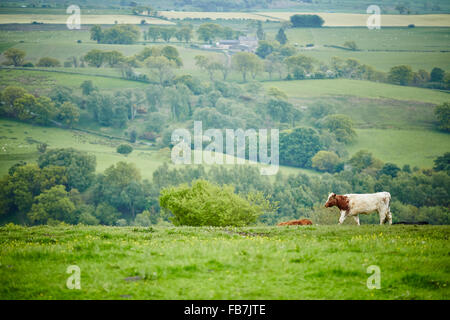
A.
x: 331, y: 201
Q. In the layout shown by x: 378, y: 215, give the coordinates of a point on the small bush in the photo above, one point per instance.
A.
x: 121, y: 223
x: 28, y: 65
x: 48, y: 62
x: 124, y: 149
x: 207, y: 204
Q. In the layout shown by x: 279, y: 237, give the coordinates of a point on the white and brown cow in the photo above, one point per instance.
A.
x: 364, y: 203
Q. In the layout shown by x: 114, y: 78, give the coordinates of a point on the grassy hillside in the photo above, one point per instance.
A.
x: 358, y: 88
x: 414, y: 147
x: 316, y: 262
x: 18, y: 141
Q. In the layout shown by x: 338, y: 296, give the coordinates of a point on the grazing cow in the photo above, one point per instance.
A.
x: 301, y: 222
x: 365, y: 203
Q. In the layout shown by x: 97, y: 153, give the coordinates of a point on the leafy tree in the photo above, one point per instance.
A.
x: 390, y: 169
x: 364, y: 159
x: 14, y: 57
x: 298, y: 146
x: 287, y: 50
x: 25, y: 182
x: 167, y: 33
x: 185, y: 33
x: 96, y: 33
x: 326, y: 161
x: 144, y: 219
x: 124, y: 149
x: 246, y: 62
x: 281, y: 37
x: 351, y: 45
x: 121, y: 188
x: 87, y: 87
x: 208, y: 32
x: 154, y: 33
x: 172, y: 54
x: 69, y: 114
x: 80, y: 166
x: 106, y: 214
x: 154, y: 95
x: 260, y: 34
x: 48, y: 62
x: 8, y: 97
x: 113, y: 58
x: 121, y: 34
x: 207, y: 204
x: 402, y: 75
x: 442, y: 113
x: 210, y: 65
x: 306, y: 21
x: 437, y: 75
x: 52, y: 204
x: 88, y: 218
x: 44, y: 110
x: 265, y: 48
x: 61, y: 94
x: 442, y: 163
x: 341, y: 125
x: 300, y: 62
x: 162, y: 66
x: 95, y: 58
x: 420, y: 77
x: 178, y: 100
x: 279, y: 109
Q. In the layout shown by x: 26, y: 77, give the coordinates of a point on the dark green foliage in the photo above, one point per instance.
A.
x: 402, y: 75
x: 80, y: 166
x: 437, y: 75
x: 207, y: 204
x: 442, y: 163
x: 442, y: 113
x: 124, y: 149
x: 390, y: 169
x: 281, y: 36
x: 48, y: 62
x: 87, y: 87
x: 298, y: 146
x: 118, y: 34
x: 306, y: 21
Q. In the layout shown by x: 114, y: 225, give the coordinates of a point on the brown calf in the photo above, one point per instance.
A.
x: 301, y: 222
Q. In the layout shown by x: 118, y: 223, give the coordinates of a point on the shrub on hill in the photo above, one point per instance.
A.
x: 207, y: 204
x: 48, y: 62
x: 306, y: 21
x: 124, y: 149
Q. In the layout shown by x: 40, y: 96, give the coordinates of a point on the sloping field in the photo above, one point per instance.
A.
x: 359, y: 88
x: 85, y: 19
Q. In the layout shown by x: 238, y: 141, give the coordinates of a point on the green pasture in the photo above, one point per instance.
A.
x: 19, y: 141
x: 312, y: 262
x: 357, y: 88
x: 414, y: 147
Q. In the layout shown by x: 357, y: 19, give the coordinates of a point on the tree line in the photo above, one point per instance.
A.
x: 63, y: 187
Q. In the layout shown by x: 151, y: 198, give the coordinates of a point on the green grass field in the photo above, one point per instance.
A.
x: 357, y: 88
x: 414, y: 147
x: 314, y: 262
x: 18, y: 141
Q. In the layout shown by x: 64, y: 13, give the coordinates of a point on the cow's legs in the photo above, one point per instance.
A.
x: 356, y: 219
x: 343, y: 216
x: 382, y: 216
x: 389, y: 216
